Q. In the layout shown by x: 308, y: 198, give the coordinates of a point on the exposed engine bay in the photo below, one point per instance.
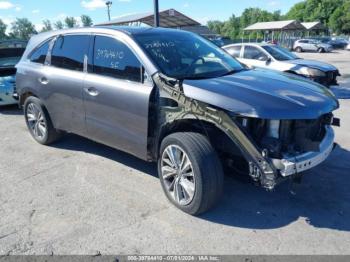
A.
x: 272, y: 149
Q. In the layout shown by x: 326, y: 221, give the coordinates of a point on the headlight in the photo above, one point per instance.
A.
x: 310, y: 72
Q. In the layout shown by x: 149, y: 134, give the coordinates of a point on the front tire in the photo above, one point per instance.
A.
x: 321, y: 50
x: 190, y: 172
x: 38, y: 122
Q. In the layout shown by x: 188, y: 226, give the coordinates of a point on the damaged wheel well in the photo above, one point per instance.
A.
x: 221, y: 142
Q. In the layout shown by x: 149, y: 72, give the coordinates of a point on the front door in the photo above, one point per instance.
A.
x: 116, y: 101
x: 253, y: 56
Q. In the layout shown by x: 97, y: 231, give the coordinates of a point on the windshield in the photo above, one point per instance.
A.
x: 184, y: 55
x: 280, y: 53
x: 9, y: 57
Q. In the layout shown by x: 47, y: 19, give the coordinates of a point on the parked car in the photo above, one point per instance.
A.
x: 174, y: 97
x: 278, y: 58
x: 10, y: 54
x: 311, y: 45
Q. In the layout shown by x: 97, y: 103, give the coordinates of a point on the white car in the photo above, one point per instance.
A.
x: 348, y: 47
x: 278, y: 58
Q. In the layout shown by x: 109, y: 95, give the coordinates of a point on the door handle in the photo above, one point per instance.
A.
x: 91, y: 91
x: 43, y: 80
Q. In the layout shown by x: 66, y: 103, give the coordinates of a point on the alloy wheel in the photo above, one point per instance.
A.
x: 178, y: 176
x: 36, y: 121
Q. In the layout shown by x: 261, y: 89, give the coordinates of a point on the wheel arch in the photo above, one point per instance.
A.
x: 216, y: 135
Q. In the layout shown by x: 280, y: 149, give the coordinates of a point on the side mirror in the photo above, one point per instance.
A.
x: 268, y: 61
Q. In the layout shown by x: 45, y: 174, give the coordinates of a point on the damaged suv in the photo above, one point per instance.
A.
x: 173, y: 97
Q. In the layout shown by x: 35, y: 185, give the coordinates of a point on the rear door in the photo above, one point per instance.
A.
x: 63, y: 82
x: 115, y: 97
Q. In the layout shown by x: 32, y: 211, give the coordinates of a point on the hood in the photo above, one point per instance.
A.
x: 264, y: 94
x: 313, y: 64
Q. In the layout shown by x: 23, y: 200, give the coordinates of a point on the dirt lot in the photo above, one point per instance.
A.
x: 79, y: 197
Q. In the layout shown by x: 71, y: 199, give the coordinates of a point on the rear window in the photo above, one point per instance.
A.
x: 234, y: 50
x: 39, y: 55
x: 69, y: 51
x: 9, y: 57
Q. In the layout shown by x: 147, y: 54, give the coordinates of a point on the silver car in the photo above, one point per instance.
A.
x: 278, y: 58
x: 173, y: 97
x: 311, y: 45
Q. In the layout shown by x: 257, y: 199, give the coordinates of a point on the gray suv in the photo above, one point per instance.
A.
x: 173, y: 97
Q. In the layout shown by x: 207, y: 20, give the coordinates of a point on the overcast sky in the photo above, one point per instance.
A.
x: 200, y: 10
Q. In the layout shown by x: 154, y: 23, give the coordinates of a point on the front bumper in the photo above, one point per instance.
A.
x: 297, y: 164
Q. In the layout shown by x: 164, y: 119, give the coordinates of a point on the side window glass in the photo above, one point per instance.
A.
x: 234, y: 51
x: 39, y: 55
x: 69, y: 51
x: 251, y: 52
x: 115, y: 59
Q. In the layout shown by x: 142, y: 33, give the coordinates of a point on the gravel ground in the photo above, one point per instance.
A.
x: 79, y: 197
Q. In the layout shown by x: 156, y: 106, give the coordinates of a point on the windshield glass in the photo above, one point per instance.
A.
x: 280, y: 53
x: 9, y: 57
x: 184, y: 55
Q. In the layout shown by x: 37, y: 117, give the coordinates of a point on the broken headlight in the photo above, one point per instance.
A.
x: 311, y: 72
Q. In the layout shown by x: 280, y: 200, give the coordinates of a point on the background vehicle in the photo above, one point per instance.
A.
x: 174, y: 97
x: 311, y: 45
x: 10, y: 53
x: 278, y: 58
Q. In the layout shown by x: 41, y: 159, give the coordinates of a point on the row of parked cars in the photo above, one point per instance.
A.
x: 175, y: 98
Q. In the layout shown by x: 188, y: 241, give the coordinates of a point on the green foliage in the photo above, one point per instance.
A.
x: 47, y: 26
x: 233, y: 27
x: 332, y: 13
x: 3, y: 28
x: 58, y: 25
x: 70, y: 22
x: 86, y: 20
x: 22, y: 28
x: 340, y: 19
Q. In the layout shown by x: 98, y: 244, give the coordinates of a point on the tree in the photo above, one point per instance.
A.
x: 22, y: 28
x: 3, y: 28
x: 47, y: 26
x: 70, y: 22
x: 58, y: 25
x: 86, y: 20
x: 340, y: 19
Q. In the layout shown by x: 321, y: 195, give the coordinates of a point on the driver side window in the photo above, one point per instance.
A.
x: 251, y: 52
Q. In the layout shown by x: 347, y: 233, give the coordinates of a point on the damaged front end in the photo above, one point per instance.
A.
x: 273, y: 149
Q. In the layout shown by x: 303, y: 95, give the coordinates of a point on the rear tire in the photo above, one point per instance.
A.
x: 299, y: 49
x: 190, y: 172
x: 39, y: 123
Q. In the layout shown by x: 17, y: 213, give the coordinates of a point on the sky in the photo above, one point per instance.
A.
x: 200, y: 10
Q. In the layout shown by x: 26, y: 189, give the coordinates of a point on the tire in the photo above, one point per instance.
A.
x: 204, y: 165
x: 321, y: 50
x: 38, y: 122
x: 299, y: 49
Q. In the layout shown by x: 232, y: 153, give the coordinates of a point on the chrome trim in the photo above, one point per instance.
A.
x: 292, y: 165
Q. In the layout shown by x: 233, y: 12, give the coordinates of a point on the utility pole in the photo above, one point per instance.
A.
x: 109, y: 4
x: 156, y: 13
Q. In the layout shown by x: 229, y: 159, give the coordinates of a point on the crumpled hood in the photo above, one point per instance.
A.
x: 264, y: 94
x: 313, y: 64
